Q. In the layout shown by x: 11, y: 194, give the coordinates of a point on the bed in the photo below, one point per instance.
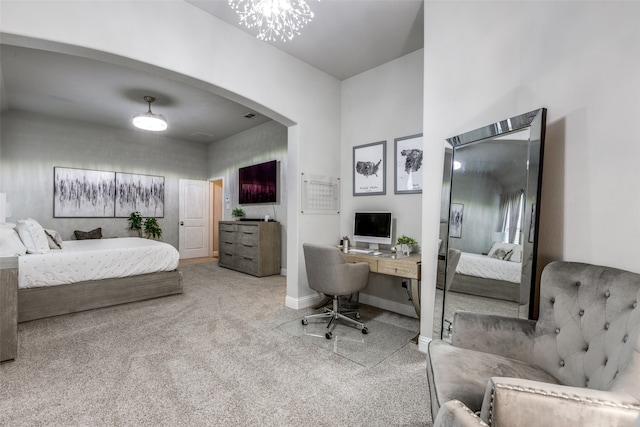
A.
x: 495, y: 275
x: 81, y: 275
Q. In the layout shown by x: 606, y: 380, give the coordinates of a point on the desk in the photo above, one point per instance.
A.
x: 407, y: 267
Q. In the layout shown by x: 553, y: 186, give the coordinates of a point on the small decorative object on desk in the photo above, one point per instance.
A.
x: 406, y: 244
x: 345, y: 244
x: 237, y: 213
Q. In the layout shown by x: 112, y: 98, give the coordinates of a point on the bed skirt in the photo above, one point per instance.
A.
x: 38, y: 303
x: 486, y: 287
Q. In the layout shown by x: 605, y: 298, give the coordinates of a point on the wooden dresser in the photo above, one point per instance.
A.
x: 252, y: 247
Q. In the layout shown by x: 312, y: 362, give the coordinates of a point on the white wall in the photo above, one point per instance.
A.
x: 259, y: 144
x: 32, y: 145
x: 197, y: 48
x: 490, y: 60
x: 383, y: 103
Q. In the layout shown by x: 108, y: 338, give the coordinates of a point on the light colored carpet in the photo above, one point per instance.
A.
x: 214, y: 355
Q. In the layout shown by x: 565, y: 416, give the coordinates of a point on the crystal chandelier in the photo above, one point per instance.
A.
x: 275, y: 19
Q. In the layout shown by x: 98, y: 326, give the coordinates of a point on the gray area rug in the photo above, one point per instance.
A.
x: 214, y: 356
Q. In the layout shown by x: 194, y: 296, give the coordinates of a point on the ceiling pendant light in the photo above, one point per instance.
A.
x: 275, y: 19
x: 148, y: 120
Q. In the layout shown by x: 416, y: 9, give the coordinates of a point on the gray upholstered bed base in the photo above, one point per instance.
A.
x: 485, y: 287
x: 38, y: 303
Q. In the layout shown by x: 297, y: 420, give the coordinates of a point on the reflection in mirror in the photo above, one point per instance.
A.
x: 490, y: 207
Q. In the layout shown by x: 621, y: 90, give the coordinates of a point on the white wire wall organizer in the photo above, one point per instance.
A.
x: 320, y: 194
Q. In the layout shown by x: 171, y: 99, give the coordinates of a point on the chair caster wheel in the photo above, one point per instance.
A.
x: 357, y: 315
x: 328, y: 335
x: 305, y: 322
x: 365, y: 331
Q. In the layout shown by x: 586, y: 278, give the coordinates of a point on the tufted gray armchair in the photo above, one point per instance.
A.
x: 578, y: 365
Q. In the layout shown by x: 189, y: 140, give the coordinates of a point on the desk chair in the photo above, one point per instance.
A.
x: 328, y: 273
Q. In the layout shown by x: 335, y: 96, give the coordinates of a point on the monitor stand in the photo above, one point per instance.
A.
x: 374, y: 247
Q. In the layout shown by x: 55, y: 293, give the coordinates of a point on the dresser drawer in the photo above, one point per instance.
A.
x: 226, y: 259
x: 227, y: 236
x: 228, y: 227
x: 248, y: 265
x: 247, y: 250
x: 248, y: 235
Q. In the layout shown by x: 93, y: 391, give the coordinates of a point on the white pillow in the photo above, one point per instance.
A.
x: 501, y: 251
x: 10, y: 243
x: 33, y: 236
x: 53, y: 238
x: 516, y: 254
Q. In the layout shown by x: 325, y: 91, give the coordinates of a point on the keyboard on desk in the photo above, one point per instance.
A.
x: 360, y: 251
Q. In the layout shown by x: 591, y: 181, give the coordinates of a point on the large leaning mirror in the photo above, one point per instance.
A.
x: 490, y: 211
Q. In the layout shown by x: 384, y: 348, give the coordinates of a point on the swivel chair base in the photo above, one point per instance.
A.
x: 334, y: 314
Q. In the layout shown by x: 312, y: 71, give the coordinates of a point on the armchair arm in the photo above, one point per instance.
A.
x: 504, y: 336
x: 456, y: 414
x: 516, y: 402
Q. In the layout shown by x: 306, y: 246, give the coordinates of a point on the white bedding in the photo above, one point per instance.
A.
x: 489, y: 268
x: 95, y: 259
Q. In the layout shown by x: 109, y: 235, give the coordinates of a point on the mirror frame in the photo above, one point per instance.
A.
x: 535, y: 121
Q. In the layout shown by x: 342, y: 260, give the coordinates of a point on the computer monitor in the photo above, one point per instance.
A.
x: 372, y: 227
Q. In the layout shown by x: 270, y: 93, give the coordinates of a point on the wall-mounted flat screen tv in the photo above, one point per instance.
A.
x: 258, y: 183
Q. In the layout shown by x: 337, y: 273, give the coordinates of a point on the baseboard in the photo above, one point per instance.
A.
x: 283, y: 271
x: 385, y: 304
x: 423, y: 343
x: 304, y: 302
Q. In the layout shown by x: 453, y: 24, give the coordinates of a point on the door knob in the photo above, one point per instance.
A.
x: 181, y: 222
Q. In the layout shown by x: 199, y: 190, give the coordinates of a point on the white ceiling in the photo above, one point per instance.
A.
x: 345, y: 38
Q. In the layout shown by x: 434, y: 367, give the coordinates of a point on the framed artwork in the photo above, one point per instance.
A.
x: 142, y: 193
x: 369, y: 165
x: 408, y: 164
x: 82, y: 193
x: 455, y: 220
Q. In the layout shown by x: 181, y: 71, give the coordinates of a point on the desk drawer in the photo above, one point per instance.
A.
x: 393, y: 269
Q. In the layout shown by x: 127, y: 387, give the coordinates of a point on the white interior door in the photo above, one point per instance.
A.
x: 193, y: 235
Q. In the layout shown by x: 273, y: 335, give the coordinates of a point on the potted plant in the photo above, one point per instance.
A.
x: 406, y: 244
x: 237, y: 213
x: 135, y: 222
x: 152, y: 228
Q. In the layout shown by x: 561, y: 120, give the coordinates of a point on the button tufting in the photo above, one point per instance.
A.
x: 581, y: 312
x: 606, y: 361
x: 586, y: 348
x: 606, y: 326
x: 553, y: 300
x: 607, y: 294
x: 625, y: 338
x: 557, y: 330
x: 562, y: 363
x: 635, y: 304
x: 578, y: 283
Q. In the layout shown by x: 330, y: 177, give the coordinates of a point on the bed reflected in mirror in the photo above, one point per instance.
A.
x: 490, y: 208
